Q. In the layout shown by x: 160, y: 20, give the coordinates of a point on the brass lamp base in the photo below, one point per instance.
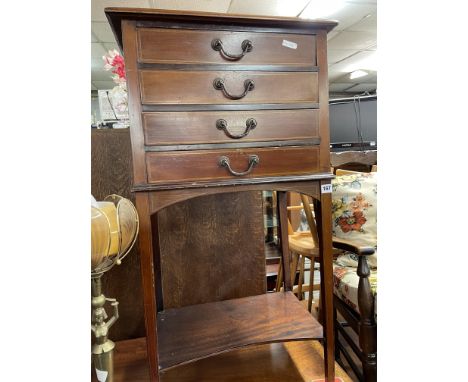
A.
x: 103, y: 360
x: 103, y: 348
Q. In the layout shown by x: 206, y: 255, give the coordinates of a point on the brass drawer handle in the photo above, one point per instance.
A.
x: 250, y: 124
x: 253, y: 161
x: 217, y: 45
x: 218, y: 84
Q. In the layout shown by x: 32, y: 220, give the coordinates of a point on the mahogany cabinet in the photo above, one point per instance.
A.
x: 224, y: 103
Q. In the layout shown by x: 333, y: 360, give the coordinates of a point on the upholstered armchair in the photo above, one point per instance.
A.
x: 354, y: 201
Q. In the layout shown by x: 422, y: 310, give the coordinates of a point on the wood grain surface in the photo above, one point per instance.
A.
x: 196, y: 87
x: 170, y: 128
x: 165, y: 198
x: 323, y: 214
x: 164, y: 167
x: 199, y: 331
x: 111, y: 173
x: 175, y: 46
x: 297, y: 361
x: 199, y: 20
x: 203, y: 245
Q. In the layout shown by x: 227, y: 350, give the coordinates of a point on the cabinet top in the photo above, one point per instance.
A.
x: 116, y: 15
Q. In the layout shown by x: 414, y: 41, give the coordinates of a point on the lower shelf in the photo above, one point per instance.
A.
x: 200, y: 331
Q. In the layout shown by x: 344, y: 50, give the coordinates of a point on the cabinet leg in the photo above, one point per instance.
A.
x: 147, y: 276
x: 324, y: 217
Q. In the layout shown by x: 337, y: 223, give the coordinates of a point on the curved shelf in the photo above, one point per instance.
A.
x: 199, y: 331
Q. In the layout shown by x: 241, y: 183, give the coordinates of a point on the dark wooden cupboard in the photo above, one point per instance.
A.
x: 190, y: 65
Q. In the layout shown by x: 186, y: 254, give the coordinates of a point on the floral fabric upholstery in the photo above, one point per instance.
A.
x: 354, y: 209
x: 346, y: 281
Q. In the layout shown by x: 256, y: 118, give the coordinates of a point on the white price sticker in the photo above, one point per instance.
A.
x: 101, y: 375
x: 326, y: 188
x: 289, y: 44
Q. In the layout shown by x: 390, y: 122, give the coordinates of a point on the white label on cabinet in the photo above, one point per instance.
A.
x: 101, y: 375
x: 289, y: 44
x: 326, y: 188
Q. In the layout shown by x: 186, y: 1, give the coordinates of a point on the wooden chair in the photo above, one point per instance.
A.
x: 362, y: 322
x: 302, y: 245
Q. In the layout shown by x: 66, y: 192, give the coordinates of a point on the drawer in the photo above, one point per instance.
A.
x: 193, y: 87
x: 183, y: 46
x: 198, y: 127
x: 189, y: 166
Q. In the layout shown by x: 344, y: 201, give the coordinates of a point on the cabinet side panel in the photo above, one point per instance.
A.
x: 212, y: 249
x: 322, y: 62
x: 134, y: 105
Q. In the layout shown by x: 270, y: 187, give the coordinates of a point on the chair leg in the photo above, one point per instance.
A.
x: 295, y: 259
x: 279, y: 278
x: 319, y: 306
x: 311, y: 284
x: 319, y: 302
x: 300, y: 295
x: 335, y: 326
x: 367, y: 324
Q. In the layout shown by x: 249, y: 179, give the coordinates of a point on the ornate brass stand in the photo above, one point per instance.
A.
x: 114, y: 228
x: 103, y: 348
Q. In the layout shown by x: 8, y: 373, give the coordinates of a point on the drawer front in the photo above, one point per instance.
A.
x: 183, y: 46
x: 175, y: 128
x: 189, y: 166
x: 192, y: 87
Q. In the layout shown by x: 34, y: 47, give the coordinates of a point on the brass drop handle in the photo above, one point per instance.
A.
x: 250, y: 124
x: 253, y: 161
x: 218, y: 84
x: 246, y: 47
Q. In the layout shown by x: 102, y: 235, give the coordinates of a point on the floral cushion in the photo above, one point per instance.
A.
x: 354, y: 208
x: 346, y: 281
